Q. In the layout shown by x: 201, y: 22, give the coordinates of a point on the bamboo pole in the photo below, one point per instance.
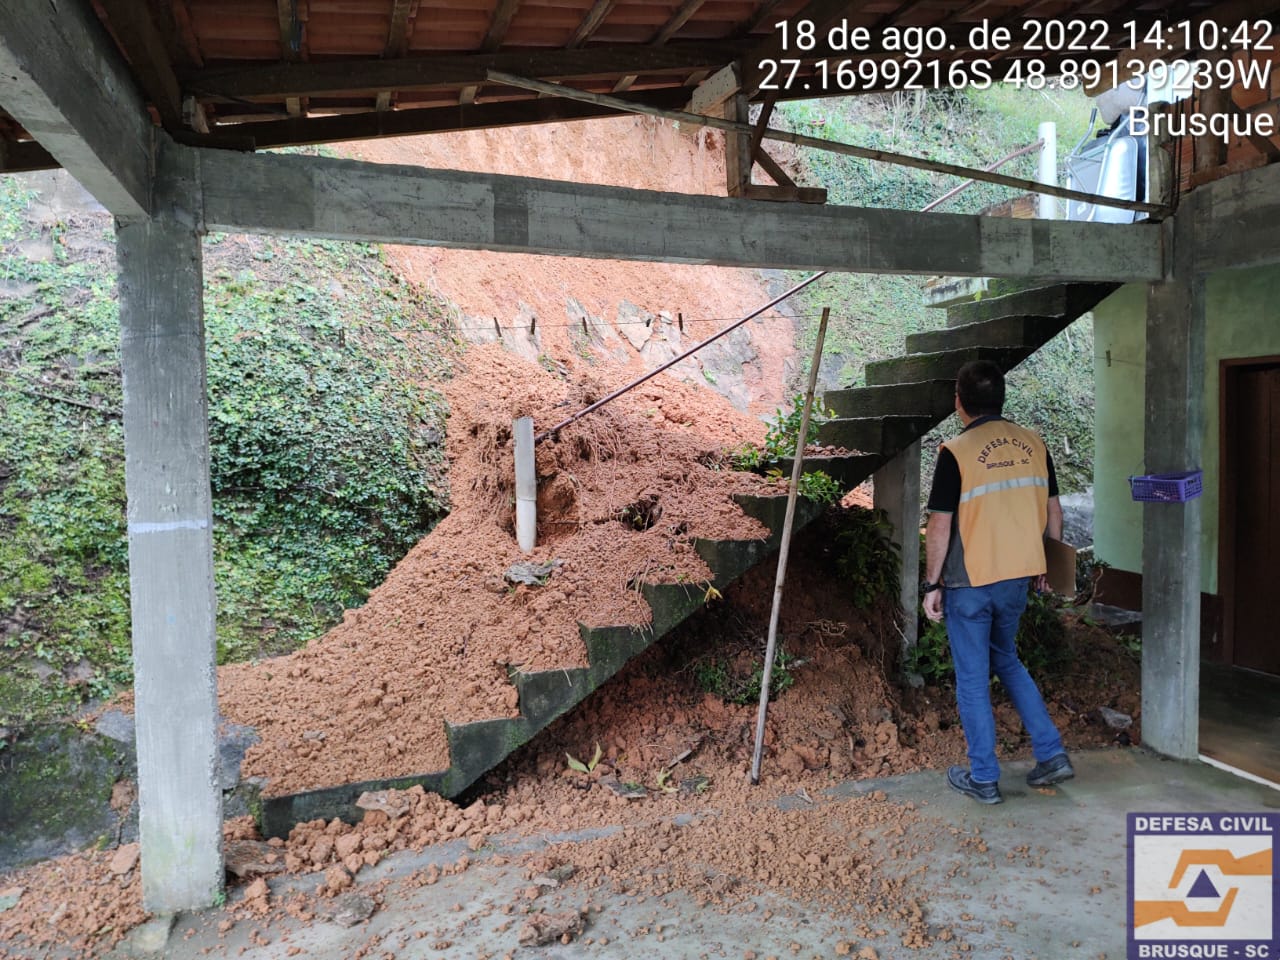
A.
x: 785, y: 548
x: 831, y: 146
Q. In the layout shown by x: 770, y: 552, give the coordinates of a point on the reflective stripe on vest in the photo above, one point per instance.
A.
x: 1004, y: 485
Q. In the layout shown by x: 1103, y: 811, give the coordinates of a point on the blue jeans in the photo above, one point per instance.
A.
x: 981, y: 624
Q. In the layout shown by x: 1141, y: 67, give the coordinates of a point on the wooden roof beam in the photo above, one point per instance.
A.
x: 277, y: 80
x: 367, y: 125
x: 66, y: 83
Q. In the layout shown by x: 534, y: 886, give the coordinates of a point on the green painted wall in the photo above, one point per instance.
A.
x: 1243, y: 320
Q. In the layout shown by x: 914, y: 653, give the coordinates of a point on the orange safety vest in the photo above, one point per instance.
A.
x: 998, y: 530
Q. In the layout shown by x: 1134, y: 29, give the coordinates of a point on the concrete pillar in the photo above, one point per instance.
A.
x: 897, y: 493
x: 1174, y: 425
x: 170, y: 543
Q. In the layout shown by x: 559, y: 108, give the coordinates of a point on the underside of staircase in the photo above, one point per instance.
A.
x: 904, y: 399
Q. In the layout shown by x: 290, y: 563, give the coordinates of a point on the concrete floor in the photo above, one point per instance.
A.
x: 1050, y: 885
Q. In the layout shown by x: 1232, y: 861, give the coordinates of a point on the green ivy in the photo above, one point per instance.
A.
x: 326, y: 451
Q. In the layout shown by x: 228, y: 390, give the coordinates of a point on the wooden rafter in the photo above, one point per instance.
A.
x: 397, y: 43
x: 591, y: 23
x: 678, y: 19
x: 362, y: 126
x: 758, y: 19
x: 499, y: 24
x: 315, y: 78
x: 665, y: 33
x: 398, y: 32
x: 139, y: 38
x: 290, y: 25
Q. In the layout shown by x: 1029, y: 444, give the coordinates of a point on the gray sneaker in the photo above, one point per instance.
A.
x: 960, y: 780
x: 1051, y: 771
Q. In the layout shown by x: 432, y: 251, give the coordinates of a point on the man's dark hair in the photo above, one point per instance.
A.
x: 980, y: 387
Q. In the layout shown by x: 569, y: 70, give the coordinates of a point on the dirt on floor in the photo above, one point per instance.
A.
x: 657, y: 744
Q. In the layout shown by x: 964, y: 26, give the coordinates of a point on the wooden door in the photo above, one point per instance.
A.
x: 1252, y: 431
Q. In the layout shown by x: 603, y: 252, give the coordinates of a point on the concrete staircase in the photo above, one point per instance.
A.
x: 905, y: 397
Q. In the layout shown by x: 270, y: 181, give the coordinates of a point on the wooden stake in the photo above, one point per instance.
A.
x: 785, y: 548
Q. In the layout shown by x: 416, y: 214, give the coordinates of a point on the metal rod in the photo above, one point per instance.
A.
x: 831, y: 146
x: 671, y: 363
x: 1020, y: 152
x: 785, y: 548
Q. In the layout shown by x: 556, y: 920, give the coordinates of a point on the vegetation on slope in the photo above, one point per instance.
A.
x: 1053, y: 390
x: 326, y: 457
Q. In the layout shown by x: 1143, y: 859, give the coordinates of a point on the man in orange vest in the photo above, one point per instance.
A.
x: 994, y: 498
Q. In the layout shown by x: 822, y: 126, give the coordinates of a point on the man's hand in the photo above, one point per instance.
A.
x: 1041, y: 583
x: 933, y: 605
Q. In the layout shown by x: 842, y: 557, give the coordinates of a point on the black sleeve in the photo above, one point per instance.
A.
x: 1053, y: 474
x: 944, y: 497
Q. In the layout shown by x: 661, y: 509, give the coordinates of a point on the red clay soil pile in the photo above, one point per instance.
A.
x: 369, y: 699
x: 667, y: 748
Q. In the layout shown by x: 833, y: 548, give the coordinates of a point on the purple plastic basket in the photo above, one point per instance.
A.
x: 1167, y: 487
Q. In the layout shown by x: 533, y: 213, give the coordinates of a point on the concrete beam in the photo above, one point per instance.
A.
x: 1235, y: 220
x: 1171, y: 554
x: 171, y: 545
x: 349, y: 199
x: 897, y: 493
x: 62, y: 78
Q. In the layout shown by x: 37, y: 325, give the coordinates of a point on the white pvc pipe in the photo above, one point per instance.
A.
x: 1047, y: 171
x: 526, y: 485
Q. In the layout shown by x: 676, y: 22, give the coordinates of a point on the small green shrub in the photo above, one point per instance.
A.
x: 780, y: 438
x: 718, y: 675
x: 868, y: 559
x: 820, y: 487
x: 1041, y: 643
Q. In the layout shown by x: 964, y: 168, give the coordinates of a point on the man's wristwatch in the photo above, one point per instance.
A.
x: 927, y: 587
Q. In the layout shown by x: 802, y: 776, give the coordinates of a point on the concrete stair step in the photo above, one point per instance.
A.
x: 884, y: 435
x: 477, y: 747
x: 941, y: 365
x: 926, y: 398
x: 1058, y: 300
x: 1025, y: 331
x: 847, y: 471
